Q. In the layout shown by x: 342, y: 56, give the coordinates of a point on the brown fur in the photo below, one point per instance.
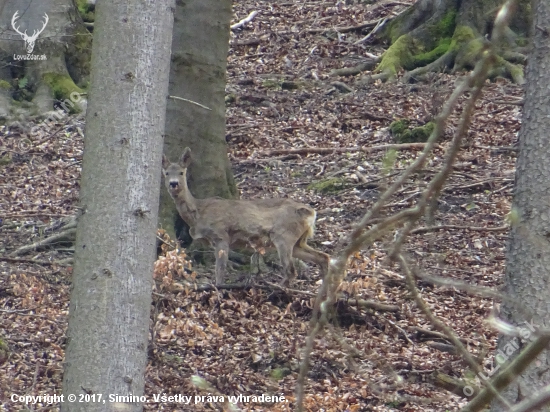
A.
x: 283, y: 223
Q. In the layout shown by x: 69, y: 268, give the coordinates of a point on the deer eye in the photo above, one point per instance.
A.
x: 181, y: 173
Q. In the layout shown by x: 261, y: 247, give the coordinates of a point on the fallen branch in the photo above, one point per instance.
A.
x: 247, y: 19
x: 425, y: 229
x: 345, y: 29
x: 328, y: 150
x: 67, y: 235
x: 23, y: 214
x: 511, y: 102
x: 435, y: 334
x: 33, y: 261
x: 371, y: 304
x: 352, y: 71
x: 451, y: 384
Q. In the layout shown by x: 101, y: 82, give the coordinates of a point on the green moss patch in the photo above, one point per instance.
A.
x: 328, y: 185
x: 86, y: 10
x: 403, y: 134
x: 400, y: 54
x: 61, y: 85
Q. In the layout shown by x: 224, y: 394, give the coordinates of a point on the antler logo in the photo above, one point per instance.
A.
x: 29, y: 40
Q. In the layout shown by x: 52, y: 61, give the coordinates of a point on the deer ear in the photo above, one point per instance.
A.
x: 165, y: 162
x: 185, y: 158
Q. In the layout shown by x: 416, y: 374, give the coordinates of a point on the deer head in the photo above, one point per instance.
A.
x: 29, y: 40
x: 282, y: 223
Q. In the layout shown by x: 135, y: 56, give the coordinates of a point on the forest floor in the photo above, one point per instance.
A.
x: 248, y: 342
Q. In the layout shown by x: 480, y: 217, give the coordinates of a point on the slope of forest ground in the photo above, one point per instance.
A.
x: 280, y: 97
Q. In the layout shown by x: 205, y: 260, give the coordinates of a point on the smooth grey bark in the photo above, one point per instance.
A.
x: 200, y: 45
x: 528, y: 256
x: 32, y: 87
x: 116, y: 236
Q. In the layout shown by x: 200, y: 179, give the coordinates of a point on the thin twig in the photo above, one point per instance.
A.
x: 244, y: 21
x: 190, y: 101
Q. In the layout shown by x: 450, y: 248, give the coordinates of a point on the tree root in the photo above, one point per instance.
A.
x: 436, y: 65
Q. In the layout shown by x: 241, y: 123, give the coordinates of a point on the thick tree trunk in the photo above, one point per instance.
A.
x: 528, y: 260
x: 199, y: 58
x: 59, y: 62
x: 115, y: 247
x: 433, y: 35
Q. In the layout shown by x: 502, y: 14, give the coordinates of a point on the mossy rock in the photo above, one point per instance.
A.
x: 402, y: 134
x: 332, y: 185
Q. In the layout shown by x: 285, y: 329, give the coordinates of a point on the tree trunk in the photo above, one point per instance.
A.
x: 200, y: 45
x: 528, y: 260
x: 115, y: 248
x: 59, y: 62
x: 433, y: 35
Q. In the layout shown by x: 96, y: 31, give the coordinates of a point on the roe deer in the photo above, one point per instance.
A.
x: 224, y: 222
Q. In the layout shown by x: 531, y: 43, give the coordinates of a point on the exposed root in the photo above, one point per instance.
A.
x: 437, y: 65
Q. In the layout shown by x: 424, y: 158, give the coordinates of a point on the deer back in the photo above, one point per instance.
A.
x: 253, y: 220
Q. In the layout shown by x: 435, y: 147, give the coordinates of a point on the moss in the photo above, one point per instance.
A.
x: 423, y: 59
x: 79, y: 57
x: 61, y: 85
x: 402, y: 134
x: 522, y: 41
x: 400, y: 54
x: 516, y: 72
x: 172, y: 359
x: 5, y: 85
x: 4, y: 351
x: 86, y: 10
x: 399, y: 126
x: 327, y: 186
x: 271, y: 84
x: 4, y: 161
x: 445, y: 27
x: 279, y: 373
x: 461, y: 36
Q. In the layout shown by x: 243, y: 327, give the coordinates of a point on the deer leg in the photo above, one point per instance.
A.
x: 222, y: 252
x: 285, y: 255
x: 308, y: 254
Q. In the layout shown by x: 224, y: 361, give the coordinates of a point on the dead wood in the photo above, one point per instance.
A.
x: 67, y: 235
x: 425, y: 229
x: 328, y: 150
x: 433, y: 334
x: 33, y: 261
x: 346, y: 29
x: 244, y: 21
x: 371, y: 304
x: 352, y: 71
x: 451, y: 384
